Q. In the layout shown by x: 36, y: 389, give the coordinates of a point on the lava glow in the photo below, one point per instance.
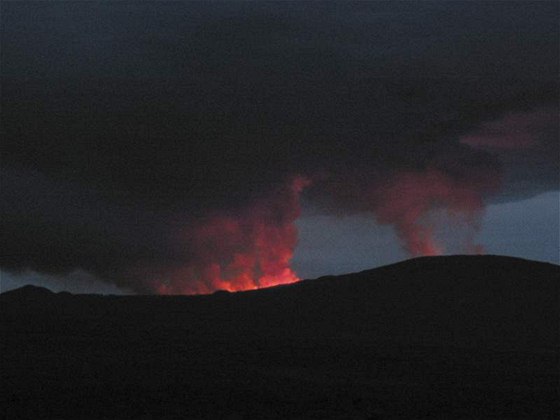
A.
x: 252, y: 247
x: 247, y: 251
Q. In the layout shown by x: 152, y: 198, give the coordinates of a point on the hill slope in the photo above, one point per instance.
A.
x: 461, y: 336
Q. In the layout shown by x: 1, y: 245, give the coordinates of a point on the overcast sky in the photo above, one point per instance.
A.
x: 184, y: 147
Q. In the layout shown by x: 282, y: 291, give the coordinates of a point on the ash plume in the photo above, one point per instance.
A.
x: 172, y: 160
x: 249, y: 249
x: 407, y: 201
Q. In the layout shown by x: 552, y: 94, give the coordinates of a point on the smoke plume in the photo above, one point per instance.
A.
x: 248, y: 250
x: 158, y: 150
x: 412, y: 202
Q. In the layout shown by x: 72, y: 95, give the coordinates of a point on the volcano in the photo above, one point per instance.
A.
x: 432, y: 337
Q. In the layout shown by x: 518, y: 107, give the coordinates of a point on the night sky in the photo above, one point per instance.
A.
x: 178, y: 147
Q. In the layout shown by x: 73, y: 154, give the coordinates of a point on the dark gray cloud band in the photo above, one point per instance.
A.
x: 124, y: 122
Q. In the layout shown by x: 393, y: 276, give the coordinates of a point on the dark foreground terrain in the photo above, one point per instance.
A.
x: 445, y: 337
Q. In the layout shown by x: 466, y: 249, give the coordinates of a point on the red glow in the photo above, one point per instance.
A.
x: 247, y: 251
x: 410, y: 198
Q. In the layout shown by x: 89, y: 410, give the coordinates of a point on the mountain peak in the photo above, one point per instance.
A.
x: 29, y: 291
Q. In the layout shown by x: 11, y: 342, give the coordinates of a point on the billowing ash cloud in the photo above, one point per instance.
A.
x: 408, y: 199
x: 248, y: 249
x: 164, y: 147
x: 451, y: 187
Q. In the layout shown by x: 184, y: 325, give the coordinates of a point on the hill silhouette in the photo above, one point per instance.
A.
x: 435, y: 337
x: 28, y: 292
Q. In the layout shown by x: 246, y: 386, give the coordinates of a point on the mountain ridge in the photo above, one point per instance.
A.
x: 445, y: 337
x: 31, y: 290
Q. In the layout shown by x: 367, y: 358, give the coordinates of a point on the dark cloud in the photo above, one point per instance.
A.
x: 125, y: 122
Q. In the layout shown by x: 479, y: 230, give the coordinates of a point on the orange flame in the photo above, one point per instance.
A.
x: 247, y: 251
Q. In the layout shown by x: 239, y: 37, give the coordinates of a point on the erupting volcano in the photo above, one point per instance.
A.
x: 247, y: 251
x: 252, y: 247
x: 163, y: 150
